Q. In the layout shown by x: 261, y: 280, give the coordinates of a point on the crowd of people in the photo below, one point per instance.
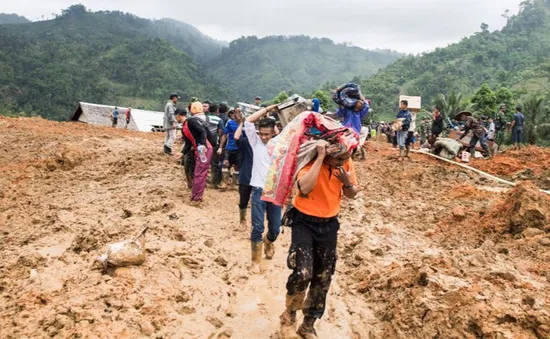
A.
x: 236, y: 150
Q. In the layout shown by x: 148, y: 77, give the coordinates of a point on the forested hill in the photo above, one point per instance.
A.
x: 517, y: 57
x: 12, y: 19
x: 46, y: 67
x: 251, y: 66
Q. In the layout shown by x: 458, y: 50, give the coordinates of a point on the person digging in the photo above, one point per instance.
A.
x: 478, y: 133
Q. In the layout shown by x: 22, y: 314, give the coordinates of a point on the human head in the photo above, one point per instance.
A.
x: 174, y: 97
x: 267, y: 129
x: 231, y: 114
x: 337, y: 161
x: 181, y: 115
x: 206, y: 106
x: 437, y: 109
x: 518, y: 109
x: 503, y: 108
x: 213, y: 108
x: 196, y: 108
x: 116, y: 107
x: 258, y: 101
x: 404, y: 105
x: 223, y: 108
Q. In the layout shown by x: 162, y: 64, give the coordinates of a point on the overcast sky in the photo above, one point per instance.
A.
x: 410, y: 26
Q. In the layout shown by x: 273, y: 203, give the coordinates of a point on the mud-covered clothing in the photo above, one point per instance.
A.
x: 472, y: 124
x: 245, y: 191
x: 325, y: 198
x: 312, y: 259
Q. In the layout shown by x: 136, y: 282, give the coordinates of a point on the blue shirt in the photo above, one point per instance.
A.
x: 407, y: 116
x: 519, y: 119
x: 115, y: 114
x: 351, y: 118
x: 247, y: 158
x: 229, y: 130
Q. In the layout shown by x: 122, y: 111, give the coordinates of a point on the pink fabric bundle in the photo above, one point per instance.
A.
x: 294, y: 148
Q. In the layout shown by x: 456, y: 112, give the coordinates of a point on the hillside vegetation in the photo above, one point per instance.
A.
x: 516, y: 57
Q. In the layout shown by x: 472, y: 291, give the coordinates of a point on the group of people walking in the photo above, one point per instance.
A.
x: 242, y: 143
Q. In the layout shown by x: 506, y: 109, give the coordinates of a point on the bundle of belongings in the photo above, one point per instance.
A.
x: 447, y: 148
x: 347, y: 95
x: 295, y: 147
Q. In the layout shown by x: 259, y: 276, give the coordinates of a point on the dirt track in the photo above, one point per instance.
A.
x: 426, y: 251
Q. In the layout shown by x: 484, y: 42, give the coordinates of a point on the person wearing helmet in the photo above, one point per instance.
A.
x: 170, y: 123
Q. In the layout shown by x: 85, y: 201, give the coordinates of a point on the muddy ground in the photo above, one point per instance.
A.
x: 426, y: 251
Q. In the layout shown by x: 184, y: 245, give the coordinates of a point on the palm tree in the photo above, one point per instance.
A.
x: 452, y: 104
x: 536, y: 115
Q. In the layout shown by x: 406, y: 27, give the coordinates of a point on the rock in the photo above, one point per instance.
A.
x: 209, y: 243
x: 180, y: 235
x: 228, y: 333
x: 459, y: 213
x: 147, y: 328
x: 532, y: 232
x: 221, y: 261
x: 544, y: 241
x: 217, y: 323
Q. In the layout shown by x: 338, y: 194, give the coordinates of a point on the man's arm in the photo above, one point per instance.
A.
x: 239, y: 131
x: 308, y: 181
x: 222, y: 142
x: 258, y: 115
x: 249, y: 128
x: 349, y: 180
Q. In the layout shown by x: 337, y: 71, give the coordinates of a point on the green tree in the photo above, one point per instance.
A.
x: 484, y: 100
x: 536, y: 116
x: 451, y: 104
x: 281, y: 97
x: 505, y: 96
x: 323, y: 97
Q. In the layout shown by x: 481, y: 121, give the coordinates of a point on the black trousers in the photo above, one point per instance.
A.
x: 244, y: 196
x: 312, y: 257
x: 215, y: 170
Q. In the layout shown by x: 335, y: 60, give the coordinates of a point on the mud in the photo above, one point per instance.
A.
x: 425, y: 251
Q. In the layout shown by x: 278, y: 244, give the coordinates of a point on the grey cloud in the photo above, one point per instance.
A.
x: 406, y: 26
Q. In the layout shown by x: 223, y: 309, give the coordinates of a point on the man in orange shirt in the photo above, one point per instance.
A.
x: 314, y: 222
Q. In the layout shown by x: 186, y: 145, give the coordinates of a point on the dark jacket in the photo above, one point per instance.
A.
x: 437, y: 125
x: 200, y: 133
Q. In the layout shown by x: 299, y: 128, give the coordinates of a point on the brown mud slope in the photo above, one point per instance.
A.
x: 425, y: 251
x: 529, y: 163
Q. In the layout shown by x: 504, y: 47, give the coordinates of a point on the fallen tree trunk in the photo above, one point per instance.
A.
x: 487, y: 175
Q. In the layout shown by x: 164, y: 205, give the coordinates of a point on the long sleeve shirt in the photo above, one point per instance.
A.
x: 198, y: 131
x: 261, y: 159
x: 473, y: 125
x: 353, y: 119
x: 406, y: 116
x: 169, y: 115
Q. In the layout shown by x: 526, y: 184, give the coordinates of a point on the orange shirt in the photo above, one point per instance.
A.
x: 324, y: 201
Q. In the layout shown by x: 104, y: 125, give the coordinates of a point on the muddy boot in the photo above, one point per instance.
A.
x: 288, y: 318
x: 363, y: 153
x: 256, y: 257
x: 225, y: 179
x: 269, y: 248
x: 306, y: 330
x: 167, y: 150
x: 242, y: 217
x: 488, y: 154
x: 189, y: 180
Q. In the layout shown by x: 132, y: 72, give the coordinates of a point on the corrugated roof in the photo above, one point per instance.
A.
x: 141, y: 120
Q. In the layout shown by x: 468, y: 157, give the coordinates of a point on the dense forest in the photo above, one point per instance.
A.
x: 516, y: 58
x: 252, y: 66
x: 12, y: 19
x: 46, y: 67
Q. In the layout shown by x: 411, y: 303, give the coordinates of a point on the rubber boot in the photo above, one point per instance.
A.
x: 269, y: 248
x: 189, y: 180
x: 488, y: 154
x: 242, y: 217
x: 293, y: 304
x: 167, y: 150
x: 225, y: 179
x: 256, y: 257
x: 306, y: 330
